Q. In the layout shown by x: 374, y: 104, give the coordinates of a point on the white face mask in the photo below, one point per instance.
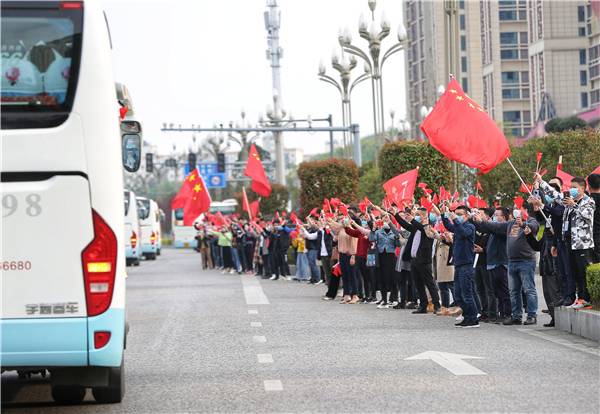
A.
x: 516, y: 213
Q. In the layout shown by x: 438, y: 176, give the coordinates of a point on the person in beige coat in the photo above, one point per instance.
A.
x: 443, y: 271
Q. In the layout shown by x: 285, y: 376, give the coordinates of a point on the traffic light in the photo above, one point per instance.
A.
x: 149, y: 162
x: 221, y: 162
x: 192, y: 160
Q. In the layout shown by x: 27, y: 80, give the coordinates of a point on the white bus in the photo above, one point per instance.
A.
x: 132, y: 229
x: 150, y: 227
x: 184, y: 236
x: 63, y: 264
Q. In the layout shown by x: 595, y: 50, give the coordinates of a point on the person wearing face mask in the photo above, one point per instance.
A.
x: 521, y: 264
x: 577, y: 230
x: 419, y: 251
x: 559, y: 249
x: 484, y: 295
x: 386, y: 240
x: 347, y: 251
x: 360, y: 229
x: 463, y: 256
x: 497, y: 265
x: 314, y: 241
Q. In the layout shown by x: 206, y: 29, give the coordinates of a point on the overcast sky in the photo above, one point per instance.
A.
x: 201, y: 62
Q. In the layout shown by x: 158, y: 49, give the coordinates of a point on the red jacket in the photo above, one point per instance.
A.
x: 363, y: 241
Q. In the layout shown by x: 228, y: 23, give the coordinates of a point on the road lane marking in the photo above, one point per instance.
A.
x: 256, y: 324
x: 253, y: 292
x: 265, y: 358
x: 259, y: 339
x: 563, y: 342
x: 452, y: 362
x: 273, y: 385
x: 252, y: 312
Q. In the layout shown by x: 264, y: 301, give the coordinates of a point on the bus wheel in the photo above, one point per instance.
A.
x: 67, y: 394
x: 151, y: 256
x: 116, y: 387
x: 136, y: 262
x: 158, y: 252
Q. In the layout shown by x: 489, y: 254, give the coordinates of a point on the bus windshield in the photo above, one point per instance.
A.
x: 40, y: 59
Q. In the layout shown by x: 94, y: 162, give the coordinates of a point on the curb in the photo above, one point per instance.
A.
x: 584, y: 323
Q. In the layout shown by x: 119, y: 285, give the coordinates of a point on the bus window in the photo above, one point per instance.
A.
x: 40, y: 61
x: 145, y: 204
x: 179, y: 214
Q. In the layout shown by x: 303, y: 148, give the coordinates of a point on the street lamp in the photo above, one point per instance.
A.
x: 242, y: 138
x: 374, y: 59
x: 344, y: 66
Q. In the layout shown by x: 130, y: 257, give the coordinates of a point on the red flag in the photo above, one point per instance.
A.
x: 314, y: 212
x: 186, y: 190
x: 401, y: 187
x: 566, y: 178
x: 518, y: 200
x: 255, y: 170
x: 335, y: 203
x: 293, y: 217
x: 362, y: 205
x: 198, y: 203
x: 284, y: 214
x: 343, y: 209
x: 596, y: 171
x: 526, y: 188
x: 444, y: 195
x: 422, y: 185
x: 455, y: 196
x: 461, y: 130
x: 479, y: 187
x: 476, y: 202
x: 426, y: 203
x: 436, y: 199
x: 539, y: 156
x: 336, y: 270
x: 255, y: 208
x: 327, y: 206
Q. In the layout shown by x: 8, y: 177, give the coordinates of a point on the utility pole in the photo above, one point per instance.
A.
x: 274, y: 54
x: 452, y: 59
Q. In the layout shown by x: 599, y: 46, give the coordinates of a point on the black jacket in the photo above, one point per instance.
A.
x: 425, y: 246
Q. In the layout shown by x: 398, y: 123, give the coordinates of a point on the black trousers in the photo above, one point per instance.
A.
x: 227, y: 261
x: 423, y: 278
x: 387, y: 263
x: 404, y: 284
x: 579, y: 260
x: 485, y: 291
x: 368, y: 277
x: 266, y: 259
x: 334, y: 285
x: 249, y: 256
x: 326, y: 266
x: 500, y: 282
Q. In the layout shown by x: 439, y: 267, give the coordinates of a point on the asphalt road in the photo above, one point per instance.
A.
x: 196, y: 345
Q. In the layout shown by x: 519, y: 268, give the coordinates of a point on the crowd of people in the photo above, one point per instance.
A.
x: 476, y: 264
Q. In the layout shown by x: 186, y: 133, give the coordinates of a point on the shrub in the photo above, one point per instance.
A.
x: 400, y: 156
x: 580, y: 150
x: 593, y: 284
x: 564, y: 124
x: 326, y: 179
x: 370, y: 183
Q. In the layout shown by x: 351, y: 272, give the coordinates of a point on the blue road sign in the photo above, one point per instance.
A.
x: 208, y: 171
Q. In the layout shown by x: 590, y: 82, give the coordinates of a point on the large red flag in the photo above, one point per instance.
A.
x: 255, y: 170
x: 246, y: 204
x: 255, y: 208
x: 401, y: 187
x: 566, y: 178
x: 461, y: 130
x: 198, y: 202
x: 186, y: 190
x: 596, y: 171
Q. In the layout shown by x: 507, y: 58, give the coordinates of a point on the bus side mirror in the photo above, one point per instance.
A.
x: 132, y: 152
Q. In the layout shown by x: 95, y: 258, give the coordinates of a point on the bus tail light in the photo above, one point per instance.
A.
x: 71, y: 5
x: 153, y: 238
x: 101, y: 338
x: 99, y: 261
x: 133, y: 239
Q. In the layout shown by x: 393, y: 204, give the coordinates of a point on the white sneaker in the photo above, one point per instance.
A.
x: 478, y: 315
x: 272, y: 277
x: 231, y: 272
x: 460, y: 318
x: 382, y: 306
x: 319, y: 282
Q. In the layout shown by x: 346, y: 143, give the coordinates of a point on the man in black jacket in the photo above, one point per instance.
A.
x: 418, y: 252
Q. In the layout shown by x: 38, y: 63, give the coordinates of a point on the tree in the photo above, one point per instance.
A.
x: 277, y: 201
x: 579, y: 148
x: 370, y: 183
x: 564, y: 124
x: 400, y: 156
x: 326, y: 179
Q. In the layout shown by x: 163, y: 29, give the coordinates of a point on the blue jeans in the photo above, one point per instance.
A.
x: 521, y: 277
x: 315, y: 272
x: 302, y: 270
x: 348, y: 275
x: 236, y: 260
x: 446, y: 288
x: 464, y: 287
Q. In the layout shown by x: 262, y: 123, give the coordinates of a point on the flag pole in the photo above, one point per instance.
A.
x: 526, y: 186
x: 247, y: 203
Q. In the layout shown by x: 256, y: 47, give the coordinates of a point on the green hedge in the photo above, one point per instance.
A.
x: 580, y: 150
x: 400, y: 156
x: 593, y: 284
x: 325, y: 179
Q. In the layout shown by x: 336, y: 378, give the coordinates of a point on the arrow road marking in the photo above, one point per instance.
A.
x: 452, y: 362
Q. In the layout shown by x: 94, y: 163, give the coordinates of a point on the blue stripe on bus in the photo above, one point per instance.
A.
x: 113, y: 320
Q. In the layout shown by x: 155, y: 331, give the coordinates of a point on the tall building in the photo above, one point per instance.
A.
x: 427, y: 59
x: 523, y: 60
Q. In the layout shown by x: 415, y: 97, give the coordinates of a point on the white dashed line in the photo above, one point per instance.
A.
x: 259, y: 339
x: 265, y: 358
x: 252, y: 312
x: 273, y: 385
x: 253, y: 292
x: 256, y: 324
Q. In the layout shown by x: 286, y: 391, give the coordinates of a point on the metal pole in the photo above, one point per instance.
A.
x: 273, y: 24
x: 357, y: 149
x: 330, y: 121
